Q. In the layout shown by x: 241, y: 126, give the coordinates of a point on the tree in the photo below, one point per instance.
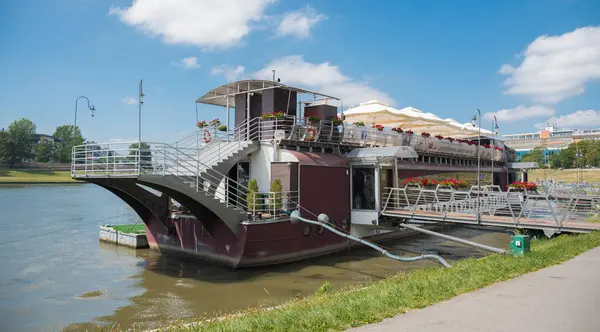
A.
x: 16, y: 143
x: 145, y: 154
x: 581, y: 154
x: 4, y: 146
x: 67, y: 137
x: 46, y: 152
x: 535, y: 155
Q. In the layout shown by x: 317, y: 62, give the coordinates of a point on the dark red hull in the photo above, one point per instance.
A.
x: 257, y: 244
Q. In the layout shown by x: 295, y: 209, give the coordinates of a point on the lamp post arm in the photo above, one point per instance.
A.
x: 90, y: 107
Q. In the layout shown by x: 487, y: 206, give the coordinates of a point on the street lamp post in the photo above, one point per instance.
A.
x: 477, y: 117
x: 91, y: 108
x: 140, y: 102
x: 495, y: 126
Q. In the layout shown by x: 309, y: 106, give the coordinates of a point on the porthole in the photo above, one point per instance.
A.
x: 306, y: 230
x: 344, y: 224
x: 320, y: 229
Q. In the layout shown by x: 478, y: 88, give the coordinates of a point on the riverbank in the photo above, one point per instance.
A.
x: 571, y: 305
x: 35, y: 177
x: 357, y: 306
x: 568, y: 175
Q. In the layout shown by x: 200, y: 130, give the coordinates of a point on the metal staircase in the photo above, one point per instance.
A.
x: 197, y: 171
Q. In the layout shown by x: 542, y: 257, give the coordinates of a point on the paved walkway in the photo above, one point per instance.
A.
x: 561, y: 298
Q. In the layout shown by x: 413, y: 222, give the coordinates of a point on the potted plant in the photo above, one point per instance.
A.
x: 398, y: 130
x: 378, y: 127
x: 252, y: 202
x: 412, y: 182
x: 275, y: 202
x: 409, y: 132
x: 314, y: 120
x: 450, y: 139
x: 429, y: 183
x: 279, y: 114
x: 202, y: 124
x: 215, y: 123
x: 222, y: 128
x: 335, y: 127
x: 425, y: 135
x: 439, y: 136
x: 335, y: 120
x: 359, y: 124
x: 522, y: 186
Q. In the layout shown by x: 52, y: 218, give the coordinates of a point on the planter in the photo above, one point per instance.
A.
x: 108, y: 234
x: 267, y: 129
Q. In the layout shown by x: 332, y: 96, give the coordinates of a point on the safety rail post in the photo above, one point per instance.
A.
x: 176, y: 158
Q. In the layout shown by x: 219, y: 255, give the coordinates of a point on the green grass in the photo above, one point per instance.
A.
x: 29, y: 176
x: 568, y: 175
x: 355, y: 306
x: 132, y: 229
x: 594, y: 219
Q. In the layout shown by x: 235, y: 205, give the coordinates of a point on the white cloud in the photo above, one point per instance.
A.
x: 190, y: 62
x: 322, y: 77
x: 556, y: 67
x: 205, y: 23
x: 231, y: 73
x: 579, y: 119
x: 298, y: 23
x: 519, y: 113
x: 120, y: 140
x: 129, y: 100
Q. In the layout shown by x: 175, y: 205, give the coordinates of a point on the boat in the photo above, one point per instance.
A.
x: 223, y: 193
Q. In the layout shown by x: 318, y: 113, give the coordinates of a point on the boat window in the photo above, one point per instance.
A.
x: 363, y: 188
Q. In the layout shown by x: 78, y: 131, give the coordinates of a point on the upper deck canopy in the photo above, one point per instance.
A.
x: 218, y: 96
x: 376, y: 112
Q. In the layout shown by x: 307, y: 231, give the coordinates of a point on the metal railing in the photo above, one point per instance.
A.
x: 518, y: 205
x: 127, y: 160
x: 271, y: 205
x: 299, y: 129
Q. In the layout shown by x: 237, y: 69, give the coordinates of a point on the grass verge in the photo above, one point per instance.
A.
x: 32, y: 176
x: 569, y: 175
x: 351, y: 307
x: 131, y: 229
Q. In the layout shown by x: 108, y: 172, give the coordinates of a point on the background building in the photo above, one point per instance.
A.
x: 551, y: 139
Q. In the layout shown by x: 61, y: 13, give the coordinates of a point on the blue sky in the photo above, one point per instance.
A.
x: 447, y: 58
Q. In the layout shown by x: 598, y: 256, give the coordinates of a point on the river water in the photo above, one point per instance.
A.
x: 56, y: 275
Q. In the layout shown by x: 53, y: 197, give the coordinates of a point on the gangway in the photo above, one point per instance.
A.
x: 488, y: 206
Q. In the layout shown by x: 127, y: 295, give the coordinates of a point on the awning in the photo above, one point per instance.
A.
x: 381, y: 154
x: 409, y: 118
x: 218, y: 95
x: 521, y: 166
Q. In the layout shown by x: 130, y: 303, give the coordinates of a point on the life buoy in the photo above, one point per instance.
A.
x: 206, y: 136
x: 311, y: 133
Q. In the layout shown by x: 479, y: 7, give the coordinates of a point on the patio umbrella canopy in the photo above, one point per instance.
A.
x: 409, y: 118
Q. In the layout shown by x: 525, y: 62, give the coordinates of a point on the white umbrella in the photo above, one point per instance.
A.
x: 375, y: 112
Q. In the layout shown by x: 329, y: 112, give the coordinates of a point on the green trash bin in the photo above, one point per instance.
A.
x: 520, y: 244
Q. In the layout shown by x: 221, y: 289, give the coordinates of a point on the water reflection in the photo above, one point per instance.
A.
x: 68, y: 280
x: 177, y: 287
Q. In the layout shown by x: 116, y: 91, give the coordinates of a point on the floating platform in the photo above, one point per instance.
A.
x: 131, y: 239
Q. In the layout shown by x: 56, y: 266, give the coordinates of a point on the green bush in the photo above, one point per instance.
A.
x: 251, y: 197
x: 275, y: 195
